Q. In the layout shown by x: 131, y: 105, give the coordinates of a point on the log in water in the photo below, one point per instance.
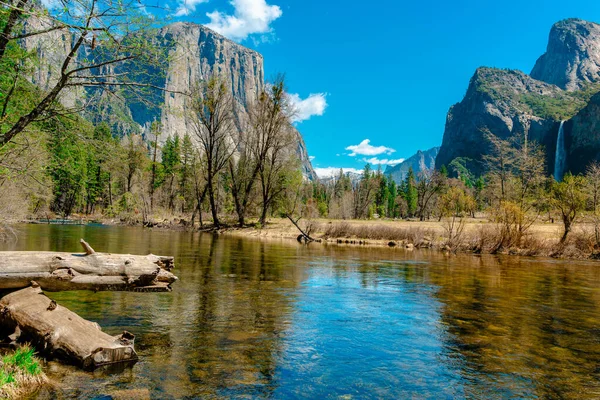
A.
x: 58, y: 271
x: 59, y: 333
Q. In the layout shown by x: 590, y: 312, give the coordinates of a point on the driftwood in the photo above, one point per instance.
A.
x: 304, y: 236
x: 59, y: 333
x: 55, y: 271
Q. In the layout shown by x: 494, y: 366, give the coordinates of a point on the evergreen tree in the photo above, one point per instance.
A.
x: 171, y: 161
x: 382, y: 198
x: 186, y: 184
x: 409, y: 192
x: 392, y: 208
x: 68, y: 166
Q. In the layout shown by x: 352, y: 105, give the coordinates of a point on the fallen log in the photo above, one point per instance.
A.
x: 57, y: 271
x: 57, y: 332
x: 303, y: 236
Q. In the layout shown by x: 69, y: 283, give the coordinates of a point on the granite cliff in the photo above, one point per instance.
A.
x: 572, y: 59
x: 509, y: 102
x: 191, y: 52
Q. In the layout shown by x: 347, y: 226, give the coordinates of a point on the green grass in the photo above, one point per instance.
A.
x: 20, y: 372
x: 23, y: 358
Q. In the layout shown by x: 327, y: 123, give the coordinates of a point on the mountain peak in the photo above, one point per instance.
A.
x: 572, y: 58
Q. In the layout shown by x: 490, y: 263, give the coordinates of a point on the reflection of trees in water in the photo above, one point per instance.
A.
x: 522, y: 327
x: 514, y: 326
x: 217, y: 334
x: 240, y: 309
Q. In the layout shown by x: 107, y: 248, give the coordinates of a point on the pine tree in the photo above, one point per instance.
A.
x: 409, y: 189
x: 186, y: 191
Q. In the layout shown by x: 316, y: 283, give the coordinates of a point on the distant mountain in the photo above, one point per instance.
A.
x: 354, y: 177
x: 422, y: 161
x: 507, y: 103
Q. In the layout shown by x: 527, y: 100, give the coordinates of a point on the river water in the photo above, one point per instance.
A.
x: 276, y: 319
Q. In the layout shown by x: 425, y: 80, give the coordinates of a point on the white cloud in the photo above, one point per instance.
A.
x: 365, y: 149
x: 51, y: 4
x: 328, y: 172
x: 187, y: 7
x: 314, y: 104
x: 311, y: 158
x: 249, y: 17
x: 385, y: 161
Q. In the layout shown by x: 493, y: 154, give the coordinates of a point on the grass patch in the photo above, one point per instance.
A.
x: 20, y: 373
x: 414, y: 235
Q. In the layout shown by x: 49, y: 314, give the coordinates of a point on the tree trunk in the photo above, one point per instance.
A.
x: 110, y: 200
x: 29, y: 316
x: 11, y: 23
x: 213, y: 203
x: 567, y: 224
x: 263, y: 215
x: 56, y: 271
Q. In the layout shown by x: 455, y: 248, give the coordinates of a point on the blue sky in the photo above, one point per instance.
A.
x: 382, y: 73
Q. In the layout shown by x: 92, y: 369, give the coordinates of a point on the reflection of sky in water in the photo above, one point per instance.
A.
x: 364, y: 334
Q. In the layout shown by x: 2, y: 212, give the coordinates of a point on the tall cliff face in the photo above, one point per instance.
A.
x: 504, y: 103
x: 582, y: 137
x: 421, y: 162
x: 192, y: 53
x: 508, y: 103
x: 50, y: 50
x: 572, y: 59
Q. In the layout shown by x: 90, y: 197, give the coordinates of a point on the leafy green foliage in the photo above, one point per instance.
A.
x: 23, y: 358
x: 557, y: 108
x: 408, y: 190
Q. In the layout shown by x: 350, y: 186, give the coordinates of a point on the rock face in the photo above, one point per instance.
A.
x: 508, y: 103
x: 50, y: 50
x: 572, y: 59
x: 501, y: 102
x: 191, y: 53
x: 195, y: 53
x: 420, y: 162
x: 582, y: 137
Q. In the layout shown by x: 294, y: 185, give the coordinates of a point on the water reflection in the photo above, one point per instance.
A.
x: 255, y: 319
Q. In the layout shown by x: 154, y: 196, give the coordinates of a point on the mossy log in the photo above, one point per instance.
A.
x: 56, y: 271
x: 57, y: 332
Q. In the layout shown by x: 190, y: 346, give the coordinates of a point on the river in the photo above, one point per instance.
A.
x: 276, y: 319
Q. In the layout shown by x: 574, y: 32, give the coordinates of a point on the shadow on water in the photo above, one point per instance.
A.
x: 273, y: 319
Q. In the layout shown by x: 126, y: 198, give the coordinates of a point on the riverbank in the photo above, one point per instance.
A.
x: 470, y: 235
x: 476, y: 235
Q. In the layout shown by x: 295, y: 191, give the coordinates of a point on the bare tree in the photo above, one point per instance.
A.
x: 243, y: 170
x: 499, y: 162
x: 277, y: 169
x: 430, y: 183
x: 105, y: 24
x: 592, y: 175
x: 213, y: 124
x: 568, y: 197
x: 517, y: 166
x: 364, y: 192
x: 265, y: 146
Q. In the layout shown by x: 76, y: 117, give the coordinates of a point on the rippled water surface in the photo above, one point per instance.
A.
x: 275, y: 319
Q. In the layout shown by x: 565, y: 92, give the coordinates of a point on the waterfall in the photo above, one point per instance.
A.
x: 559, y: 158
